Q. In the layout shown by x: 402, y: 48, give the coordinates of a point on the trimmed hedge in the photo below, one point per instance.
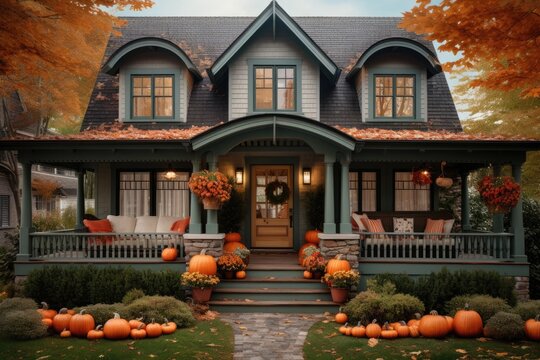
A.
x: 528, y: 309
x: 86, y: 284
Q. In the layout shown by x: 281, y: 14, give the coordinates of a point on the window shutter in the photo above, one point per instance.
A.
x: 4, y: 211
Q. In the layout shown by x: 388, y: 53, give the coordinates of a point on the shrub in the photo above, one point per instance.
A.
x: 160, y: 307
x: 22, y: 325
x: 369, y: 305
x: 82, y: 285
x: 47, y: 221
x: 505, y: 326
x: 69, y: 218
x: 103, y: 312
x: 8, y: 254
x: 17, y: 303
x: 132, y: 295
x: 528, y: 309
x: 485, y: 305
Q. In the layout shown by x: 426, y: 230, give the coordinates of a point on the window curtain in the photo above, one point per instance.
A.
x: 409, y: 196
x: 134, y: 193
x: 172, y: 196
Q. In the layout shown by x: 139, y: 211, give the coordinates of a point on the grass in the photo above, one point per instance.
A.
x: 207, y: 340
x: 325, y: 342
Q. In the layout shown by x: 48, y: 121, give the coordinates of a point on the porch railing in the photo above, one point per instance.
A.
x: 101, y: 246
x: 421, y: 246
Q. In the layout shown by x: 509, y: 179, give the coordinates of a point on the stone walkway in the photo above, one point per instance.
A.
x: 259, y: 336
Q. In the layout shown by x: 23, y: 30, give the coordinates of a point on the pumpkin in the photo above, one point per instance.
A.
x: 415, y: 321
x: 468, y: 323
x: 135, y: 323
x: 450, y: 321
x: 241, y: 274
x: 169, y: 254
x: 308, y: 275
x: 65, y: 333
x: 532, y: 328
x: 231, y: 246
x: 359, y: 330
x: 336, y: 264
x: 202, y: 263
x: 168, y: 327
x: 48, y: 322
x: 341, y: 317
x: 61, y: 320
x: 153, y: 329
x: 395, y: 325
x: 403, y: 330
x: 387, y: 332
x: 312, y: 237
x: 413, y: 331
x: 46, y: 312
x: 116, y: 328
x: 95, y: 334
x: 233, y: 237
x: 433, y: 325
x: 343, y: 328
x: 71, y: 312
x: 301, y: 255
x: 444, y: 182
x: 138, y: 333
x: 373, y: 330
x: 81, y: 323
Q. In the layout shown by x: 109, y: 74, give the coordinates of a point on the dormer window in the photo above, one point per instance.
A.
x: 275, y: 88
x: 152, y: 96
x: 395, y: 96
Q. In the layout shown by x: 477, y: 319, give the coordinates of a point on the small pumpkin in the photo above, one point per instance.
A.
x: 343, y: 328
x: 450, y: 321
x: 138, y: 333
x: 202, y: 263
x: 71, y: 312
x: 336, y: 264
x: 433, y: 325
x: 168, y: 327
x: 135, y: 323
x: 387, y: 332
x: 468, y: 323
x: 80, y: 324
x: 231, y: 246
x: 395, y: 325
x: 233, y: 237
x: 46, y: 312
x: 312, y: 237
x: 153, y: 329
x: 48, y: 322
x: 413, y: 331
x: 95, y: 334
x: 116, y: 328
x: 61, y: 320
x: 308, y: 274
x: 444, y: 182
x: 415, y: 321
x: 241, y: 274
x: 532, y: 328
x: 65, y: 333
x: 359, y: 330
x: 301, y: 254
x: 403, y: 330
x: 341, y: 317
x: 169, y: 253
x: 373, y: 330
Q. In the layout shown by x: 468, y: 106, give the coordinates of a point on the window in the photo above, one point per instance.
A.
x: 4, y: 211
x: 275, y: 88
x: 146, y: 193
x: 409, y: 196
x: 363, y: 192
x: 152, y: 96
x: 395, y: 96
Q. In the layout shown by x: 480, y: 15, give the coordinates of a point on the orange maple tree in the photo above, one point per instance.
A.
x: 504, y: 33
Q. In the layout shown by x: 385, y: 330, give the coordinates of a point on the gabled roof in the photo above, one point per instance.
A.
x: 272, y: 13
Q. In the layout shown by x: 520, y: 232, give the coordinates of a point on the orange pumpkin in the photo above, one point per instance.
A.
x: 153, y: 329
x: 202, y: 263
x: 116, y: 328
x: 413, y: 331
x: 65, y: 333
x: 231, y: 246
x: 387, y: 332
x: 312, y: 237
x: 48, y: 322
x: 433, y: 325
x: 241, y: 274
x: 135, y: 323
x: 450, y: 321
x: 95, y: 334
x: 341, y: 317
x: 138, y: 333
x: 343, y: 328
x: 308, y: 275
x: 358, y: 330
x: 468, y: 323
x: 46, y: 312
x: 415, y: 321
x: 301, y: 255
x: 233, y: 237
x: 532, y: 328
x: 61, y: 320
x: 403, y: 330
x: 169, y: 254
x: 168, y: 327
x: 373, y: 330
x: 71, y: 312
x: 336, y: 264
x: 80, y: 324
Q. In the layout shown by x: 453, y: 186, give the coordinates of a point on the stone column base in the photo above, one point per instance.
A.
x: 195, y: 243
x: 347, y: 245
x: 522, y: 287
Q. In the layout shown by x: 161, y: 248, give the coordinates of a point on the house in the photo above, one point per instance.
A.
x: 353, y: 104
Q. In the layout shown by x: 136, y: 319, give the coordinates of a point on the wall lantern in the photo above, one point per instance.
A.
x: 306, y: 176
x: 170, y: 174
x: 239, y: 176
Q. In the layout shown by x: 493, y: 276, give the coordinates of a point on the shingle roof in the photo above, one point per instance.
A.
x: 343, y: 39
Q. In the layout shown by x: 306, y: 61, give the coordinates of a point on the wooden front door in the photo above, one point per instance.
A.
x: 271, y: 225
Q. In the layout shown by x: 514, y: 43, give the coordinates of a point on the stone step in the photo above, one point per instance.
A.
x: 262, y: 306
x: 271, y: 294
x: 259, y: 273
x: 255, y: 283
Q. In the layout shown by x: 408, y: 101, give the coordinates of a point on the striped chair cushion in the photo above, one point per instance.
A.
x: 373, y: 225
x: 434, y: 226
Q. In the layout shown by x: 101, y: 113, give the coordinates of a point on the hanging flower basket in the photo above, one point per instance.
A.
x: 277, y: 192
x: 211, y: 203
x: 500, y: 193
x: 421, y: 177
x: 212, y: 187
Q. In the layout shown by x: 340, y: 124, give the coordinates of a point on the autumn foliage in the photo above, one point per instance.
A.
x: 505, y: 33
x: 210, y: 184
x: 44, y: 188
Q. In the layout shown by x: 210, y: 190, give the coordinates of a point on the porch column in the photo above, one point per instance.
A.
x: 195, y: 226
x: 26, y: 213
x: 80, y: 199
x: 498, y: 219
x: 345, y: 226
x: 212, y: 215
x: 465, y: 206
x: 518, y: 246
x: 329, y: 226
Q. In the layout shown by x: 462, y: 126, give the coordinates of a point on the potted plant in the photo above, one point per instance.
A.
x: 243, y: 253
x: 499, y: 193
x: 315, y: 263
x: 201, y: 285
x: 228, y: 264
x: 212, y: 187
x: 340, y: 283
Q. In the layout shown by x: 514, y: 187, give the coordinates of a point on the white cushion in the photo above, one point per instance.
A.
x: 146, y: 224
x: 165, y: 223
x: 404, y: 225
x: 448, y: 225
x: 357, y: 218
x: 122, y: 224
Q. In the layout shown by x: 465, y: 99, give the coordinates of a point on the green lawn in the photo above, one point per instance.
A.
x: 207, y: 340
x: 325, y: 342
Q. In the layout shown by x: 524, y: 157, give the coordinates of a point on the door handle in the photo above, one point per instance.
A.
x: 291, y: 218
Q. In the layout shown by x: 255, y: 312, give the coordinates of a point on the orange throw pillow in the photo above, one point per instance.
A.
x: 373, y: 225
x: 434, y: 226
x: 180, y: 225
x: 100, y: 226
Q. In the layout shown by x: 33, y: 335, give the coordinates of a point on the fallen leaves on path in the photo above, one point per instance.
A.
x: 373, y: 342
